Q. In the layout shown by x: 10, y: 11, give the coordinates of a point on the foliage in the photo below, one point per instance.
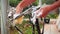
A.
x: 26, y: 27
x: 14, y: 3
x: 48, y: 1
x: 36, y: 3
x: 52, y: 16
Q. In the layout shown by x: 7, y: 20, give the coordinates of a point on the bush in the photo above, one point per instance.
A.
x: 14, y: 3
x: 53, y: 16
x: 36, y: 3
x: 48, y: 1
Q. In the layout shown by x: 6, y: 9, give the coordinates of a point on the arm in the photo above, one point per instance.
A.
x: 23, y: 4
x: 42, y: 12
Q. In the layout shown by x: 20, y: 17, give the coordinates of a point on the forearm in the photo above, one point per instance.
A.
x: 45, y: 10
x: 52, y: 6
x: 23, y: 4
x: 55, y: 5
